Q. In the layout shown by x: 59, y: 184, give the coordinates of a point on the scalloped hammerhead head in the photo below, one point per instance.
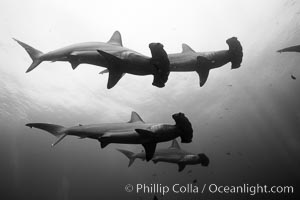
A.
x: 173, y: 154
x: 202, y: 62
x: 135, y: 131
x: 112, y: 55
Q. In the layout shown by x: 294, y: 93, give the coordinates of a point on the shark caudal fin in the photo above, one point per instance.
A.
x: 162, y: 64
x: 236, y: 52
x: 56, y: 130
x: 129, y: 155
x: 115, y: 72
x: 34, y: 54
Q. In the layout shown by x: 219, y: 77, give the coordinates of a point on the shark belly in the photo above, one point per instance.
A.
x: 188, y: 61
x: 130, y: 137
x: 137, y: 64
x: 167, y: 160
x: 217, y: 58
x: 183, y: 62
x: 85, y: 133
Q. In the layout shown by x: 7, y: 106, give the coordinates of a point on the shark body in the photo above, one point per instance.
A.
x: 202, y: 62
x: 120, y: 60
x: 136, y: 131
x: 112, y: 55
x: 173, y: 154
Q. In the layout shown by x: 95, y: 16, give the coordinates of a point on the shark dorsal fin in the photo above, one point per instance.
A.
x: 135, y: 118
x: 174, y: 145
x: 186, y: 48
x: 116, y: 39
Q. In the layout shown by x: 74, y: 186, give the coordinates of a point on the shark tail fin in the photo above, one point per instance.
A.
x: 56, y: 130
x: 34, y: 54
x: 236, y: 52
x: 129, y: 155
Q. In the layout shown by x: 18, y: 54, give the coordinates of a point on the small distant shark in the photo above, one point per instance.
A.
x: 112, y: 55
x: 136, y: 131
x: 173, y: 154
x: 290, y: 49
x: 202, y: 62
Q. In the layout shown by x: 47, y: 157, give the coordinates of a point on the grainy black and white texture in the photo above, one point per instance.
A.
x: 247, y: 121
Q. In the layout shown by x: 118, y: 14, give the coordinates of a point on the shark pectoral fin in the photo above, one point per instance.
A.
x: 161, y: 62
x: 59, y: 139
x: 203, y: 75
x: 115, y: 72
x: 181, y: 167
x: 203, y: 69
x: 104, y: 71
x: 113, y: 78
x: 150, y: 145
x: 290, y: 49
x: 149, y: 149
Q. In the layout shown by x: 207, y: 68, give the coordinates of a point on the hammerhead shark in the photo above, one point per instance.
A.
x: 112, y: 55
x: 135, y: 131
x: 202, y: 62
x: 290, y: 49
x: 173, y: 154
